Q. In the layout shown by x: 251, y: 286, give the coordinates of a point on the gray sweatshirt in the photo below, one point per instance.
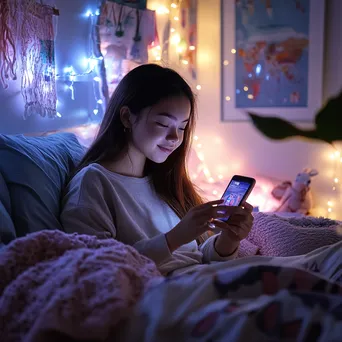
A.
x: 109, y: 205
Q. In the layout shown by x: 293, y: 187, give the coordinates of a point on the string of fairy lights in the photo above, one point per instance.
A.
x: 156, y: 52
x: 173, y: 12
x: 90, y: 65
x: 178, y: 45
x: 336, y: 157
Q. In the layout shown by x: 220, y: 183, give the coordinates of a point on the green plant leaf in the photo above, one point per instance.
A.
x: 329, y: 120
x: 274, y: 128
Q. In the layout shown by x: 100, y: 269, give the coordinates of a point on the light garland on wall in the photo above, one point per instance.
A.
x: 91, y: 64
x: 213, y: 186
x: 179, y: 45
x: 336, y: 157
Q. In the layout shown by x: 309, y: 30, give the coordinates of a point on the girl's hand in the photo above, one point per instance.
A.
x: 196, y: 221
x: 234, y: 230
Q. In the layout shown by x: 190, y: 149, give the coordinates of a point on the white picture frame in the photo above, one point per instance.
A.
x: 230, y: 111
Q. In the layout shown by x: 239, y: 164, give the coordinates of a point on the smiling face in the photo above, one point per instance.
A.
x: 159, y: 130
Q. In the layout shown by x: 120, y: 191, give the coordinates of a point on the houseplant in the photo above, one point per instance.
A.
x: 328, y: 124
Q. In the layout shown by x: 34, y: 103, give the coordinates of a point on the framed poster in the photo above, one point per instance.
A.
x: 272, y: 58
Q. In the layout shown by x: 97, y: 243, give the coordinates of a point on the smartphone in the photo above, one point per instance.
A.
x: 237, y: 191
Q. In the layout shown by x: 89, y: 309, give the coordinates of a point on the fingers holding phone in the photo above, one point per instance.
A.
x: 239, y: 224
x: 236, y: 226
x: 197, y: 221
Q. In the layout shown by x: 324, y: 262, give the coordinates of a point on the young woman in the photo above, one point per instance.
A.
x: 132, y: 184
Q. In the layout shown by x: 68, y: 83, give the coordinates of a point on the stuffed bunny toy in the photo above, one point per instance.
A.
x: 296, y: 197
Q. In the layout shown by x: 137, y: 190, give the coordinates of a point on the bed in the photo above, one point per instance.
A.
x: 56, y: 286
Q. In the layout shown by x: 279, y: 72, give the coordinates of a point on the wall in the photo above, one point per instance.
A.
x: 238, y: 145
x: 72, y: 45
x: 228, y: 147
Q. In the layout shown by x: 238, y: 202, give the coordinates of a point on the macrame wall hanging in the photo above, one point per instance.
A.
x: 27, y: 44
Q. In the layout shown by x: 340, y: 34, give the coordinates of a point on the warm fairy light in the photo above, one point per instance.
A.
x: 162, y: 10
x: 233, y: 51
x: 176, y: 18
x: 220, y: 177
x: 175, y: 39
x: 215, y: 192
x: 199, y: 145
x: 195, y: 137
x: 172, y: 30
x: 184, y: 61
x: 200, y: 156
x: 245, y: 88
x: 250, y: 96
x: 173, y: 5
x: 225, y: 62
x: 198, y: 87
x: 227, y: 98
x: 336, y: 157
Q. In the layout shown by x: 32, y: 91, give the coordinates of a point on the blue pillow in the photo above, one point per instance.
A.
x: 7, y: 230
x: 35, y: 170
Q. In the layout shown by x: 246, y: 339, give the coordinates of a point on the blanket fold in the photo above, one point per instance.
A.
x: 73, y: 285
x: 273, y: 235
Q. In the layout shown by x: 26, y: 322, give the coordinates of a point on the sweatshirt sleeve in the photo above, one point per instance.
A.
x: 209, y: 252
x: 155, y: 248
x: 86, y: 211
x: 88, y: 221
x: 84, y: 220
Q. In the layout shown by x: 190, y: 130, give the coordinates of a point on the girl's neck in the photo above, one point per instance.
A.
x: 131, y: 163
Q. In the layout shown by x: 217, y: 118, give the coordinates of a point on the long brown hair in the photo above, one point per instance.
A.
x: 143, y: 87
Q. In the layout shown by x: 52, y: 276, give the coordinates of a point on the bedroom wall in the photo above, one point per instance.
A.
x: 239, y: 144
x: 228, y: 147
x: 72, y: 46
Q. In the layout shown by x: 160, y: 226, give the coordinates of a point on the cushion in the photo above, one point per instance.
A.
x: 35, y: 170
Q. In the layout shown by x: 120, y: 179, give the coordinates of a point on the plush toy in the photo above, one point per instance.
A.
x: 296, y: 197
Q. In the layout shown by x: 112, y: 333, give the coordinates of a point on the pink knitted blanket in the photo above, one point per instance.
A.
x: 59, y: 287
x: 272, y: 235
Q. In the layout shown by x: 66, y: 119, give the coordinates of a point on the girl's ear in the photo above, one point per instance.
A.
x: 126, y: 117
